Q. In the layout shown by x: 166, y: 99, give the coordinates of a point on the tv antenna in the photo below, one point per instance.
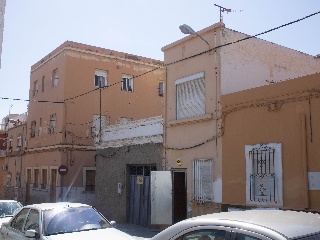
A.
x: 222, y: 9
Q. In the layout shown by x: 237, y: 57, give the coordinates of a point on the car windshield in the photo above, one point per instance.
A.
x: 7, y: 209
x: 75, y: 219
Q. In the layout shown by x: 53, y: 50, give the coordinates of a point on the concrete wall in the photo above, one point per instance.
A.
x: 113, y: 169
x: 278, y: 113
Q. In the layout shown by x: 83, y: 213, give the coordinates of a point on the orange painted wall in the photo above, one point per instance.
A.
x: 273, y: 114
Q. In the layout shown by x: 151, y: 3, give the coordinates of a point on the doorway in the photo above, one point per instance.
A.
x: 53, y: 193
x: 28, y: 186
x: 179, y: 195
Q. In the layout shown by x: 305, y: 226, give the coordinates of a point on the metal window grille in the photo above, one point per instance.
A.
x: 202, y: 175
x: 262, y: 178
x: 142, y: 170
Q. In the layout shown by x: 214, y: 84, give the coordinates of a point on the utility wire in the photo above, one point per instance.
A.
x: 168, y: 64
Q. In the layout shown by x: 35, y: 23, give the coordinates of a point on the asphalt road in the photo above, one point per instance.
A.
x: 137, y: 231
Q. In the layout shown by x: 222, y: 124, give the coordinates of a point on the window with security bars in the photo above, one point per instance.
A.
x: 264, y: 174
x: 190, y: 96
x: 142, y: 170
x: 202, y: 178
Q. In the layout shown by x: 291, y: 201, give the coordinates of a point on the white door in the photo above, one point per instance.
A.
x: 161, y: 197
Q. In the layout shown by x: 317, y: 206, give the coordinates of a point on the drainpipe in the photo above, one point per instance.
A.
x: 305, y: 161
x: 165, y: 120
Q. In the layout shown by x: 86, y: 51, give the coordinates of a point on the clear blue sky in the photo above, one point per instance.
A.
x: 33, y: 28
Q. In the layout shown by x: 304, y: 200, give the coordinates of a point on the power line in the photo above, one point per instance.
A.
x: 168, y: 64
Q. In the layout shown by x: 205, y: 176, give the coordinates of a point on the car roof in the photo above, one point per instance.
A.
x: 289, y: 224
x: 6, y: 201
x: 46, y: 206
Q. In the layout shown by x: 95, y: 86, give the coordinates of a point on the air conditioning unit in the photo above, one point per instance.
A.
x: 4, y: 167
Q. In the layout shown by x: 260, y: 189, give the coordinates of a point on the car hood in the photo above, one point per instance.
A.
x: 106, y: 234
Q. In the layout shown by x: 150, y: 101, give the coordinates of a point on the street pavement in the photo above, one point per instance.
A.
x: 138, y: 231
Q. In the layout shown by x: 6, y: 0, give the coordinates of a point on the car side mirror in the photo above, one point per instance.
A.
x: 31, y: 234
x: 113, y: 223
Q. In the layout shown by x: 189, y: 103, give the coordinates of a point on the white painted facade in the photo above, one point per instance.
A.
x: 255, y: 62
x: 148, y: 130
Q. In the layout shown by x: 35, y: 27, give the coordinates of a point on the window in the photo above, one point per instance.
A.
x: 33, y: 129
x: 32, y: 221
x: 10, y: 145
x: 202, y: 177
x: 52, y: 126
x: 55, y: 78
x: 127, y: 83
x: 89, y: 178
x: 190, y: 96
x: 264, y: 174
x: 42, y: 84
x: 36, y: 178
x: 19, y: 143
x: 18, y: 221
x: 205, y: 234
x: 40, y: 127
x: 161, y: 89
x: 100, y: 79
x: 35, y: 88
x: 44, y: 178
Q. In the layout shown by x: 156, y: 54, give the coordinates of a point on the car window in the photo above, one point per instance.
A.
x: 8, y: 208
x: 62, y: 220
x: 205, y: 234
x: 309, y: 237
x: 32, y: 221
x: 241, y: 236
x: 18, y: 220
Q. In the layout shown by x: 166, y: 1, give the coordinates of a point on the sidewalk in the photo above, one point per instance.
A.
x: 137, y: 231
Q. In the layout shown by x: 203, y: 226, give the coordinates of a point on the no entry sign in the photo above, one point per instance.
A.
x: 62, y: 170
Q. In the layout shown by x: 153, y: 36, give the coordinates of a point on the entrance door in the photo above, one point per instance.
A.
x: 179, y: 196
x: 28, y: 185
x: 139, y: 201
x: 53, y: 194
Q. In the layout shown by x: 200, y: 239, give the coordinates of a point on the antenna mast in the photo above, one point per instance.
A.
x: 222, y: 9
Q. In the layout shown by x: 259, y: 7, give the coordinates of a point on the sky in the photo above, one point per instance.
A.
x: 33, y: 28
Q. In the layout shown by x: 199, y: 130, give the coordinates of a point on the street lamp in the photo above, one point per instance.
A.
x: 184, y: 28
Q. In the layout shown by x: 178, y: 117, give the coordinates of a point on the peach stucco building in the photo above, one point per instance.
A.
x: 76, y: 90
x: 198, y: 74
x: 271, y: 148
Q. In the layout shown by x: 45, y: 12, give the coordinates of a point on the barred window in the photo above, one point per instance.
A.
x: 264, y: 174
x: 202, y: 178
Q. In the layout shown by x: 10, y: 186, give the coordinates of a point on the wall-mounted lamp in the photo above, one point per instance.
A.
x: 184, y: 28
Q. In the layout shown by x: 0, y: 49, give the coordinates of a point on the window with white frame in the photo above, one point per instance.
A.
x: 127, y: 83
x: 19, y: 143
x: 35, y: 88
x: 36, y: 177
x: 202, y: 178
x: 55, y: 77
x: 100, y: 78
x: 44, y: 178
x: 52, y: 127
x: 161, y: 88
x: 190, y: 96
x: 33, y: 129
x: 89, y: 176
x: 264, y: 174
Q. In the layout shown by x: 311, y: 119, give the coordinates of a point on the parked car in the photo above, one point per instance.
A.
x: 60, y: 221
x: 7, y: 209
x: 246, y: 225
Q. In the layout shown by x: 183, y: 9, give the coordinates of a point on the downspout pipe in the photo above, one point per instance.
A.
x: 305, y: 161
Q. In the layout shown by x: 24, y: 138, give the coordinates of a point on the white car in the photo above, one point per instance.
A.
x: 60, y: 221
x: 7, y: 209
x: 246, y: 225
